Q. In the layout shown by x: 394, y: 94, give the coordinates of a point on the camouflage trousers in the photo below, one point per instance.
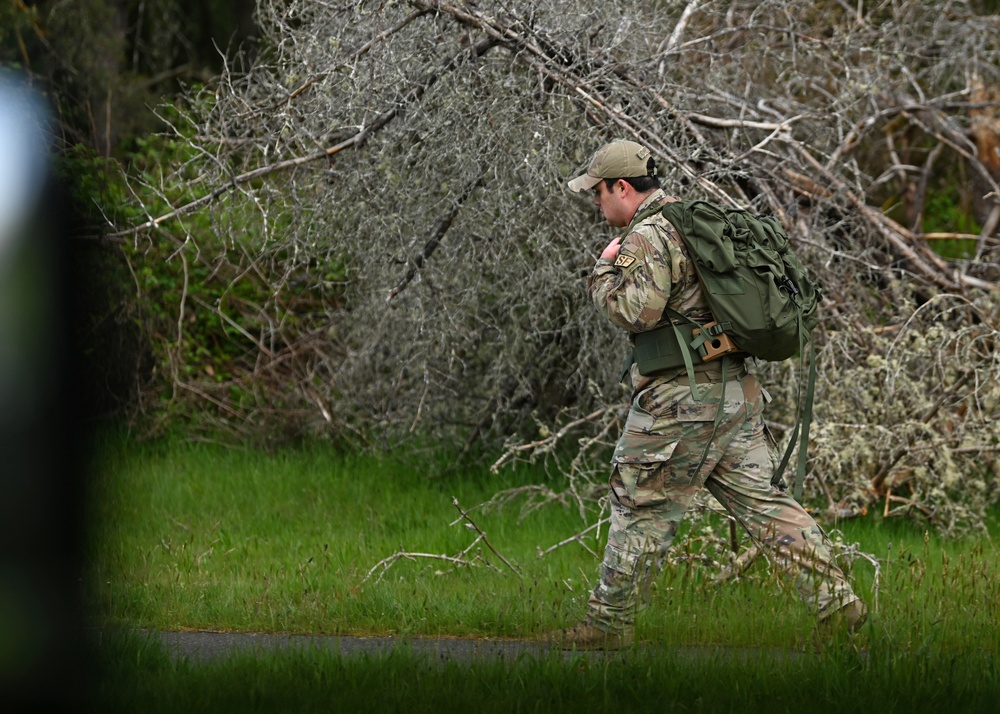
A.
x: 661, y: 462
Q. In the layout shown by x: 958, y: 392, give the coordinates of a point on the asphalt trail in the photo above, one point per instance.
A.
x: 201, y: 646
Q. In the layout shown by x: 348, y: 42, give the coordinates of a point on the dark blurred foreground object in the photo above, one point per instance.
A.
x: 43, y: 656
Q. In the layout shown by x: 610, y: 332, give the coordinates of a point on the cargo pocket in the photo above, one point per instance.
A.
x: 635, y: 448
x: 631, y: 483
x: 656, y: 423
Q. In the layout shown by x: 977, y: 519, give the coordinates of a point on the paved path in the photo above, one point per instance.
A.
x: 198, y: 646
x: 201, y: 646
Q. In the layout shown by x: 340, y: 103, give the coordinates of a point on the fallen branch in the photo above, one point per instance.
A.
x: 387, y: 563
x: 578, y: 538
x: 548, y: 442
x: 471, y: 524
x: 461, y: 559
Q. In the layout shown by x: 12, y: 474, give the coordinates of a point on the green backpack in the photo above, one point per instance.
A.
x: 756, y: 287
x: 758, y: 292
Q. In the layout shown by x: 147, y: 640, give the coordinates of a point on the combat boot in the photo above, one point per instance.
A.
x: 587, y: 636
x: 841, y: 624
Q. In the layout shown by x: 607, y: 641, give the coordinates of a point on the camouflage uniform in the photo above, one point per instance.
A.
x: 660, y: 460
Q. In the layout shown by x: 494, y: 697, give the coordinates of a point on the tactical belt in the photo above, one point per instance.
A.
x: 660, y: 349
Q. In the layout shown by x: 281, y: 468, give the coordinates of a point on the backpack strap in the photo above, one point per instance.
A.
x: 643, y: 215
x: 806, y: 417
x: 689, y: 350
x: 803, y: 420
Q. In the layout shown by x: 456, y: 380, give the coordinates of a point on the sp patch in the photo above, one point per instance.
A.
x: 624, y: 261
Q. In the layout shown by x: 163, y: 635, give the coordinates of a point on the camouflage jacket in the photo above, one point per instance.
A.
x: 652, y: 271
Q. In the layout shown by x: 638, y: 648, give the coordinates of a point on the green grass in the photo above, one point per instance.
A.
x: 196, y: 536
x: 204, y: 537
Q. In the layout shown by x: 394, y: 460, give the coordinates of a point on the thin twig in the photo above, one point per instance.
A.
x: 386, y: 563
x: 578, y: 538
x: 473, y: 526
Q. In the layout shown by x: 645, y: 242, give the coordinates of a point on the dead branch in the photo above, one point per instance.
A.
x: 432, y: 243
x: 547, y: 443
x: 352, y: 57
x: 578, y: 538
x: 388, y: 562
x: 471, y: 524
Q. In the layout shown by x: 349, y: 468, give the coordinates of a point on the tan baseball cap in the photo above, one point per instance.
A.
x: 619, y: 159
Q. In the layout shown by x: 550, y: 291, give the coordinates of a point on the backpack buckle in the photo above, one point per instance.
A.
x: 712, y: 342
x: 788, y: 286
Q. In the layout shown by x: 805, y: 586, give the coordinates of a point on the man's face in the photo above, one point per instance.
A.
x: 612, y: 205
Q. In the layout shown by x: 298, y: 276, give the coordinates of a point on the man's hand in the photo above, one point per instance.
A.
x: 611, y: 251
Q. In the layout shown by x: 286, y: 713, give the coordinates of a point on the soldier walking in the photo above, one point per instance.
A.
x: 673, y: 444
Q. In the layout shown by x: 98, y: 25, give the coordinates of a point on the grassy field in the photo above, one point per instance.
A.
x: 204, y: 537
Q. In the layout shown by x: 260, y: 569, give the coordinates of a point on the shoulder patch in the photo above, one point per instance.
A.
x: 624, y: 261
